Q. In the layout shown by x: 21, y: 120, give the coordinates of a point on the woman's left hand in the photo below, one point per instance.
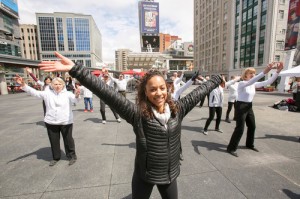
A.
x: 279, y: 66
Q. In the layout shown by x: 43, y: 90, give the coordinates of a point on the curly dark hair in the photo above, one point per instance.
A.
x: 142, y: 101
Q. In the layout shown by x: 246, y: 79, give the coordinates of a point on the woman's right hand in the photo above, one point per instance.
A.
x: 65, y: 64
x: 28, y: 70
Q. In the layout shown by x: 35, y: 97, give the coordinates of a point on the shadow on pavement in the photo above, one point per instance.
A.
x: 192, y: 128
x: 39, y: 123
x: 43, y: 154
x: 131, y: 145
x: 211, y: 146
x: 280, y: 137
x: 291, y: 194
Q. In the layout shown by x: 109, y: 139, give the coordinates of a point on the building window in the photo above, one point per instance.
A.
x: 281, y: 14
x: 282, y: 1
x: 279, y: 45
x: 277, y: 58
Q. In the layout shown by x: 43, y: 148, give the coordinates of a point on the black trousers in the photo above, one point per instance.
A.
x: 244, y: 114
x: 54, y: 137
x: 202, y: 100
x: 44, y: 108
x: 212, y: 111
x: 143, y: 190
x: 230, y: 105
x: 102, y: 111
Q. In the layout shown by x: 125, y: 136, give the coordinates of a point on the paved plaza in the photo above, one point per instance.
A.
x: 106, y: 155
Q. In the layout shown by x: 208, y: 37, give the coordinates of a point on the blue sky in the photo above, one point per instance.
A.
x: 117, y: 19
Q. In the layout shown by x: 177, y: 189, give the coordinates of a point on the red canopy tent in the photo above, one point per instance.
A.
x: 132, y: 72
x: 97, y: 72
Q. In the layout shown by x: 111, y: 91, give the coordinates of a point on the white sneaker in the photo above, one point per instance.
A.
x: 103, y: 121
x: 204, y: 132
x: 119, y: 120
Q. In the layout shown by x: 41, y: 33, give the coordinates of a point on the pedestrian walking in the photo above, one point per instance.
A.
x: 243, y: 107
x: 59, y: 116
x: 156, y: 121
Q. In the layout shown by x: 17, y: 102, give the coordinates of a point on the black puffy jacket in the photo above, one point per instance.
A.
x: 157, y: 148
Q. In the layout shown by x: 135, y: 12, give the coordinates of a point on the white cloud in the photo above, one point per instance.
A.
x: 117, y: 19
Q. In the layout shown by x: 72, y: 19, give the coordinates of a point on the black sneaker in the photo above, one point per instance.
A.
x: 72, y: 161
x: 234, y: 153
x: 227, y: 120
x: 253, y: 148
x: 52, y: 163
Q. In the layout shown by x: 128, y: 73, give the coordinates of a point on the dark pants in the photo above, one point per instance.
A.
x: 202, y: 100
x: 122, y: 93
x: 230, y: 105
x: 54, y: 137
x: 143, y: 190
x: 102, y: 111
x: 212, y: 111
x: 44, y: 108
x: 244, y: 114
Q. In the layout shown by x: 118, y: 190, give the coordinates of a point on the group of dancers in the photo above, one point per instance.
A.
x: 156, y: 117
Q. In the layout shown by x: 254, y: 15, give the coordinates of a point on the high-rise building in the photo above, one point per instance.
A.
x: 212, y: 36
x: 121, y: 56
x: 259, y: 33
x: 29, y: 42
x: 76, y: 36
x: 149, y: 25
x: 9, y: 28
x: 166, y: 40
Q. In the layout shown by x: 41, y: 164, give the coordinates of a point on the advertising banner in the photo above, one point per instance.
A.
x: 150, y: 43
x: 293, y: 25
x: 150, y: 17
x: 188, y: 48
x: 10, y: 6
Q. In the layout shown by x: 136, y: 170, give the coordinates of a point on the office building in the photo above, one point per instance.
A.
x: 121, y: 56
x: 29, y: 42
x: 259, y: 33
x: 76, y: 36
x: 9, y: 28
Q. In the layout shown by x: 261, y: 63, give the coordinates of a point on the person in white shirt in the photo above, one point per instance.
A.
x: 121, y: 83
x: 44, y: 85
x: 232, y: 95
x: 177, y: 81
x: 202, y: 80
x: 88, y: 99
x: 102, y: 103
x: 59, y: 116
x: 243, y: 107
x: 216, y: 98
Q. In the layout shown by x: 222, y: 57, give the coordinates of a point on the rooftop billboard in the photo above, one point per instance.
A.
x: 10, y: 6
x: 293, y: 25
x: 149, y: 17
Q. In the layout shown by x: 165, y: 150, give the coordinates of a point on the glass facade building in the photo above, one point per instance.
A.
x: 74, y: 35
x: 259, y: 25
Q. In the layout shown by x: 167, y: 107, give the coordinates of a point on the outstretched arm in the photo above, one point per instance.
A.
x: 28, y: 89
x: 122, y: 106
x: 273, y: 78
x: 188, y: 102
x: 29, y: 71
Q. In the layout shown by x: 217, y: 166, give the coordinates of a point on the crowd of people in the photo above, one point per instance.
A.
x: 156, y: 116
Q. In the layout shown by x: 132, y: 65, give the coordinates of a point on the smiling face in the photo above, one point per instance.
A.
x: 156, y: 92
x: 121, y: 77
x: 57, y: 85
x: 249, y: 75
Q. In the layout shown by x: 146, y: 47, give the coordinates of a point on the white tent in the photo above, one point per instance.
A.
x: 292, y: 72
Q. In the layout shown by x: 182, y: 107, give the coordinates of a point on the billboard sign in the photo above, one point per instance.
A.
x: 150, y: 43
x: 293, y: 25
x: 10, y: 6
x: 149, y: 17
x: 188, y: 48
